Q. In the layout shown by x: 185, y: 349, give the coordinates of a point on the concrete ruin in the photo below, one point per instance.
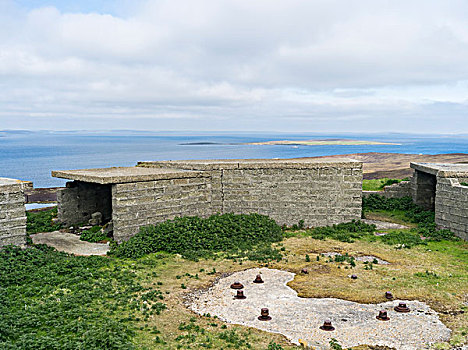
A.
x: 320, y: 192
x: 12, y: 212
x: 439, y: 187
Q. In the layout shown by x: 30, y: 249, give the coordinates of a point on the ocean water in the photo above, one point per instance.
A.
x: 33, y: 155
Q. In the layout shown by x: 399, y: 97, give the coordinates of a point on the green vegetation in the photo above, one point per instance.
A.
x: 424, y: 219
x: 94, y: 235
x: 51, y: 300
x: 464, y: 183
x: 41, y: 221
x: 379, y: 184
x: 344, y: 232
x: 194, y: 237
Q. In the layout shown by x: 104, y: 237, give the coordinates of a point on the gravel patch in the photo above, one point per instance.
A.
x: 300, y: 318
x: 364, y: 258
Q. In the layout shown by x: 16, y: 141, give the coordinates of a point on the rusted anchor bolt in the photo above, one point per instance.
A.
x: 304, y: 271
x: 264, y: 315
x: 258, y: 279
x: 383, y: 316
x: 237, y: 285
x: 327, y: 326
x: 389, y: 295
x: 354, y: 277
x: 401, y: 308
x: 240, y: 295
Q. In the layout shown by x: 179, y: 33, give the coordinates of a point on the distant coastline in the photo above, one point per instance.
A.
x: 344, y: 142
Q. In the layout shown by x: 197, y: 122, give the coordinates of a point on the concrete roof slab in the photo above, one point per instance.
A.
x: 442, y: 169
x: 125, y: 174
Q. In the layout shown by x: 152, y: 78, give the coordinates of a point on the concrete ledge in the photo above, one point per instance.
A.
x: 218, y: 164
x: 442, y: 169
x: 116, y: 175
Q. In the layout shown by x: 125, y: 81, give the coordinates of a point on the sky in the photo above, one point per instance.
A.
x: 235, y: 65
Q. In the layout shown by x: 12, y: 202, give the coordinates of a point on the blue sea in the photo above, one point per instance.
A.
x: 33, y: 155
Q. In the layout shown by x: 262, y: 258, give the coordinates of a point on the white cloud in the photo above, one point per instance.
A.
x: 283, y: 65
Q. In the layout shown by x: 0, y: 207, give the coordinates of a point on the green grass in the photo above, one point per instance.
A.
x: 379, y: 184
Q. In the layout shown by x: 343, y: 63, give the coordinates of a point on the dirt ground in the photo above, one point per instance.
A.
x: 397, y: 165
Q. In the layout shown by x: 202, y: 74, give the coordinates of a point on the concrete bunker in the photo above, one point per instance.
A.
x: 439, y: 187
x: 320, y: 192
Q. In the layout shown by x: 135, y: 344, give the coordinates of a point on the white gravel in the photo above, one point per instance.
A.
x: 300, y: 318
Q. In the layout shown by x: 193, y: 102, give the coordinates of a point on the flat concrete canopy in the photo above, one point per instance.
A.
x: 442, y: 169
x: 117, y: 175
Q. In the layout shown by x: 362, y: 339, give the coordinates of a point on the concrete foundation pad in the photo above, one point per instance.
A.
x: 69, y: 243
x: 384, y: 225
x: 300, y: 318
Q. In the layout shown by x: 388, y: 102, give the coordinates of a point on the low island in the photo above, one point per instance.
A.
x: 324, y: 142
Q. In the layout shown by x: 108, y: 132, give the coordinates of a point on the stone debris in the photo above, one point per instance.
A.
x: 300, y: 318
x: 363, y: 258
x: 384, y: 225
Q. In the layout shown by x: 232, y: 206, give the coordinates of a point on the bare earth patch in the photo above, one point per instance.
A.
x: 300, y: 318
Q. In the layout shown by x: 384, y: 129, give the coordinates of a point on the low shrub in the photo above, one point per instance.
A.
x: 402, y: 239
x: 52, y: 300
x: 94, y: 235
x: 41, y: 221
x: 379, y: 184
x: 344, y: 232
x: 195, y: 237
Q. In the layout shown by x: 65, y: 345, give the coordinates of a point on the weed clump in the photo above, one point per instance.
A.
x: 344, y: 232
x: 41, y: 221
x: 195, y: 237
x: 94, y: 235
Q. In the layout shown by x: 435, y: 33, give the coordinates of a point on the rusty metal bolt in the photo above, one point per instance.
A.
x: 240, y: 295
x: 401, y: 308
x: 389, y: 295
x: 264, y: 315
x: 258, y: 279
x: 304, y: 271
x: 237, y: 285
x: 327, y: 326
x: 383, y: 316
x: 354, y: 277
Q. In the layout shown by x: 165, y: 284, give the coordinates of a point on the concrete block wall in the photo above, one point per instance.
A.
x: 80, y: 199
x: 139, y: 204
x: 12, y: 212
x: 399, y: 190
x: 320, y: 193
x: 451, y: 206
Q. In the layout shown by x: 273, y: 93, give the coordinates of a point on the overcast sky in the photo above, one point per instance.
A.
x: 266, y: 65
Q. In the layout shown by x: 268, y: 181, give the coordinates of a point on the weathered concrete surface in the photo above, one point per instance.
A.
x: 70, y: 243
x: 79, y: 200
x: 441, y: 184
x: 300, y: 318
x: 12, y: 212
x: 320, y: 192
x: 122, y: 174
